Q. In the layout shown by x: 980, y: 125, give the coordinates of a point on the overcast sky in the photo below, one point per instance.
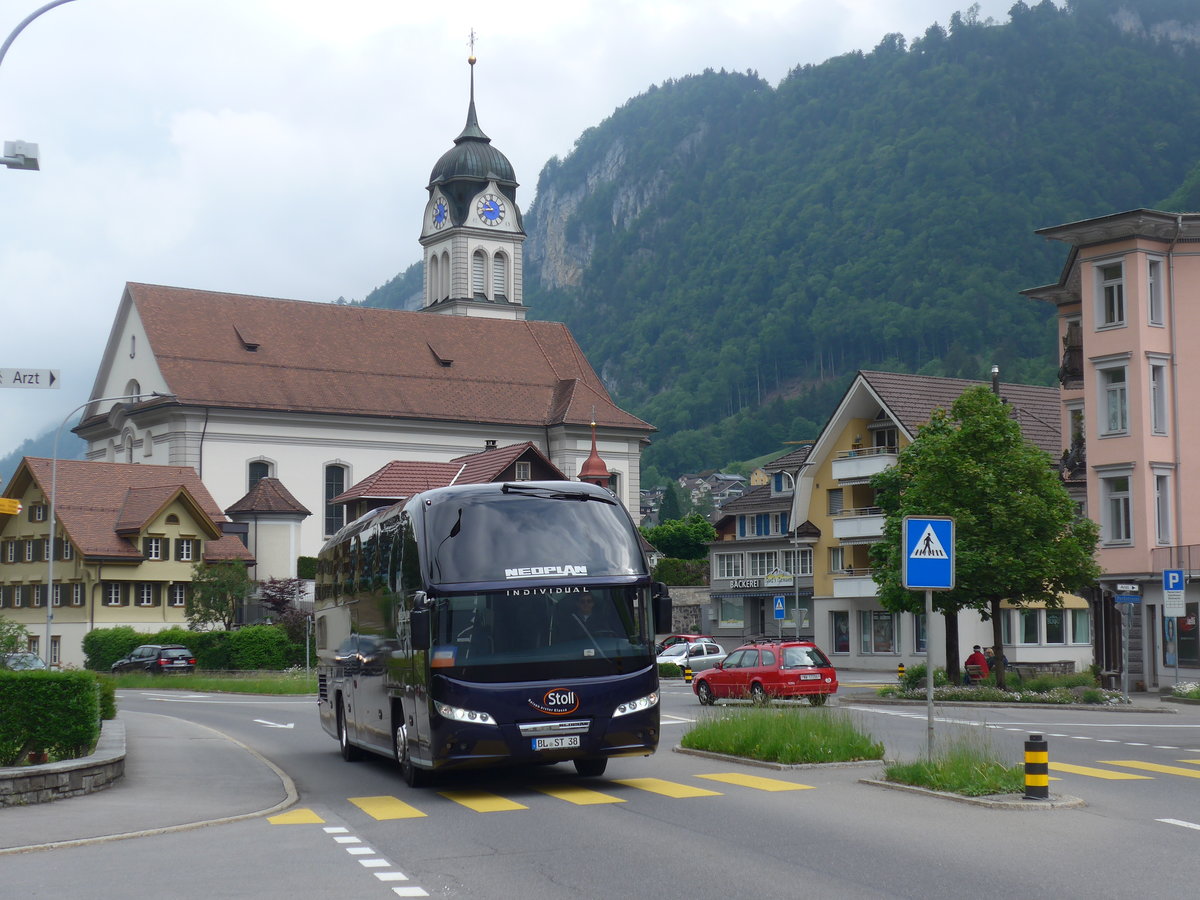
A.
x: 282, y: 147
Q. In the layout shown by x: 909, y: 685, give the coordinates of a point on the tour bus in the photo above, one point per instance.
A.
x: 490, y: 624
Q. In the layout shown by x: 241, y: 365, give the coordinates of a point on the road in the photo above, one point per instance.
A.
x: 671, y: 825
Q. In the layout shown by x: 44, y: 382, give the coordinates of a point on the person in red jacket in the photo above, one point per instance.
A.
x: 976, y: 659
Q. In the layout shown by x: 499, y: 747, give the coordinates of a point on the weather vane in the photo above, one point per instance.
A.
x: 471, y: 44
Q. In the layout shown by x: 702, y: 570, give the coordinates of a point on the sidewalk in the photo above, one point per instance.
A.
x: 178, y: 775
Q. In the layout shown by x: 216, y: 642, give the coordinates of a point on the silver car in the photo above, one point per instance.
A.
x: 695, y: 654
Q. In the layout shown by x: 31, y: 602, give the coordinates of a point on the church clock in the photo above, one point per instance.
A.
x: 490, y: 210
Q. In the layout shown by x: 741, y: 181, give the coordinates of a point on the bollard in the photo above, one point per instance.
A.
x: 1037, y: 768
x: 900, y: 672
x: 687, y: 674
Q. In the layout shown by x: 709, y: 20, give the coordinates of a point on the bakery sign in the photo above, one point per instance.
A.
x: 745, y: 584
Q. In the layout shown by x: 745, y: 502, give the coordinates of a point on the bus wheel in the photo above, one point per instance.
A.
x: 591, y: 767
x: 413, y: 776
x: 350, y: 753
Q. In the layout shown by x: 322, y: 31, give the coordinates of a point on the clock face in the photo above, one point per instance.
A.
x: 490, y: 209
x: 441, y: 215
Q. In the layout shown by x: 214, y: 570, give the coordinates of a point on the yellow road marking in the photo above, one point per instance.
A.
x: 757, y: 782
x: 580, y: 796
x: 385, y: 807
x: 1152, y: 767
x: 296, y: 817
x: 666, y: 788
x: 481, y: 801
x: 1096, y: 773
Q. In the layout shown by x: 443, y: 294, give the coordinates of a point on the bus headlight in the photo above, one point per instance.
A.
x: 455, y: 714
x: 636, y: 705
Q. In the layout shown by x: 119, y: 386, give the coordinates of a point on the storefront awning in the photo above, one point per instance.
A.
x: 1069, y: 601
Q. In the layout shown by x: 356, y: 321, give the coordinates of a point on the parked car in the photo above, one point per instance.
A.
x: 674, y: 639
x: 158, y: 659
x: 697, y: 655
x: 769, y: 668
x: 22, y: 662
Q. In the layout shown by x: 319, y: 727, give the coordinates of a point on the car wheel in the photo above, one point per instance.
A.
x: 413, y: 776
x: 818, y: 699
x: 350, y: 753
x: 591, y: 767
x: 704, y: 692
x: 758, y: 695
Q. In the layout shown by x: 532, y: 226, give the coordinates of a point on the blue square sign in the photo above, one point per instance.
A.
x: 928, y: 553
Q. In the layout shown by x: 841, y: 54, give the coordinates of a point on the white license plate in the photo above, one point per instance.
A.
x: 813, y: 677
x: 556, y: 743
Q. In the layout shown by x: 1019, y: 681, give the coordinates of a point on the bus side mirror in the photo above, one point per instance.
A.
x: 660, y: 599
x: 418, y: 623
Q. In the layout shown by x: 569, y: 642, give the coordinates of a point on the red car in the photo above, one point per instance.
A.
x: 680, y: 639
x: 769, y: 668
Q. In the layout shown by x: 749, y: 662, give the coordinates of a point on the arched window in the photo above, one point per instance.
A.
x: 445, y: 287
x: 257, y: 471
x: 435, y: 278
x: 499, y: 277
x: 132, y: 388
x: 127, y: 447
x: 335, y: 483
x: 479, y: 275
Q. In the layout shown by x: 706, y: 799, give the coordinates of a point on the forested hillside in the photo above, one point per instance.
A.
x: 728, y: 253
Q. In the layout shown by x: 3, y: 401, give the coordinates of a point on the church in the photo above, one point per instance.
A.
x: 318, y: 396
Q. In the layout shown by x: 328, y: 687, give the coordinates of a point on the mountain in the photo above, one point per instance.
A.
x: 728, y: 254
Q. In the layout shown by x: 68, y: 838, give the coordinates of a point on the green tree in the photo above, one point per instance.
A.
x: 14, y: 638
x: 672, y: 502
x: 682, y: 538
x: 1017, y: 535
x: 218, y: 592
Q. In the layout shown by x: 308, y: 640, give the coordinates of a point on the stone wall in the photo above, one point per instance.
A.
x: 22, y: 785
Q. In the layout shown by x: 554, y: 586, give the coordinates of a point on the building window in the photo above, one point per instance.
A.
x: 77, y: 595
x: 67, y: 552
x: 839, y: 623
x: 18, y: 596
x: 837, y: 560
x: 153, y: 548
x: 729, y: 565
x: 1111, y: 279
x: 762, y: 563
x: 1116, y: 400
x: 1158, y: 398
x: 56, y: 595
x: 37, y: 596
x: 886, y: 438
x: 834, y: 501
x: 798, y: 562
x: 524, y: 471
x: 435, y: 278
x: 1154, y: 296
x: 55, y: 650
x: 45, y: 542
x: 1118, y: 518
x: 185, y: 549
x: 479, y: 275
x: 499, y: 277
x: 1056, y: 626
x: 335, y: 483
x: 10, y: 551
x: 1030, y: 621
x: 257, y: 471
x: 878, y: 632
x: 37, y: 512
x: 920, y: 635
x: 145, y: 594
x: 29, y: 552
x: 1162, y: 509
x: 112, y: 594
x: 1081, y: 626
x: 178, y: 595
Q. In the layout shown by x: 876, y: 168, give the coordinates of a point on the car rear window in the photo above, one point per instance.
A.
x: 798, y: 657
x: 176, y: 654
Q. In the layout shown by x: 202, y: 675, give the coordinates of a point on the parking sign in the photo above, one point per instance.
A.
x: 1173, y: 593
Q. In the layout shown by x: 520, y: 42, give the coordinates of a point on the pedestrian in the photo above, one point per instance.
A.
x: 976, y: 659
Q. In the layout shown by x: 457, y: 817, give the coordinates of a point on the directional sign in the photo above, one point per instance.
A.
x: 1173, y: 591
x: 1127, y: 598
x: 29, y: 378
x: 779, y: 611
x: 928, y: 550
x: 10, y: 506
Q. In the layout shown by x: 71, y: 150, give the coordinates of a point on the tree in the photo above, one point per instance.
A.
x: 682, y: 538
x: 14, y: 638
x: 218, y: 592
x: 281, y: 593
x: 672, y: 503
x: 1018, y: 537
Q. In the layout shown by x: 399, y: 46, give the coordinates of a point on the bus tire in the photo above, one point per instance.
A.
x: 413, y: 776
x: 592, y: 767
x: 350, y: 753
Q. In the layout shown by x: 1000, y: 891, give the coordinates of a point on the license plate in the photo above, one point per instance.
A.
x: 813, y: 677
x: 556, y: 743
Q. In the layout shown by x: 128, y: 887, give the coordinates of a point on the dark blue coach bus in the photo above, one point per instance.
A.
x: 490, y: 624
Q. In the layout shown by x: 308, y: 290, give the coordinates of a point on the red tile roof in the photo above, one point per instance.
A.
x: 244, y: 352
x: 98, y: 503
x: 268, y: 496
x: 487, y: 465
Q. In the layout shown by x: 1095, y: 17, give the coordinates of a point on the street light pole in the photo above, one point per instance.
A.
x: 54, y: 494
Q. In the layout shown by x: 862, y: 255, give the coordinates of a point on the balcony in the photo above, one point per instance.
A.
x: 859, y: 526
x: 852, y: 583
x: 858, y: 466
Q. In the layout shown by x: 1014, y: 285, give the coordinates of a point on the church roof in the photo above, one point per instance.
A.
x: 234, y: 351
x: 473, y: 157
x: 268, y: 496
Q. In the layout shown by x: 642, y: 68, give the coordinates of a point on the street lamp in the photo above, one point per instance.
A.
x: 54, y: 492
x: 22, y: 154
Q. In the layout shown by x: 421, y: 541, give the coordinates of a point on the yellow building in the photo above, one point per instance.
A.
x: 125, y: 539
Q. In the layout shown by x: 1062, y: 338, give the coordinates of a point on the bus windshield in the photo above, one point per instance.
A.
x: 520, y: 634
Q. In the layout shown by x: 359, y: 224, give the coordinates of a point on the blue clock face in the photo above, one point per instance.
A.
x: 440, y: 213
x: 490, y: 209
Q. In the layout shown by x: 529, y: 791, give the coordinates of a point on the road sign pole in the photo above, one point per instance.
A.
x: 929, y: 675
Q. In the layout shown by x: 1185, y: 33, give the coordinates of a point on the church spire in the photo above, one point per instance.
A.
x: 594, y: 470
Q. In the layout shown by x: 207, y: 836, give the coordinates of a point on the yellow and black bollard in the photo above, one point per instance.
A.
x: 687, y: 674
x: 900, y: 672
x: 1037, y: 768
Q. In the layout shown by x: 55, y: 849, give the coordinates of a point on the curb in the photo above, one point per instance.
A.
x: 23, y: 785
x: 988, y: 704
x: 1006, y: 801
x: 779, y: 767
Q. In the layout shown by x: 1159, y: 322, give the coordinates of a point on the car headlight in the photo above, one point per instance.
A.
x: 455, y: 714
x: 636, y: 705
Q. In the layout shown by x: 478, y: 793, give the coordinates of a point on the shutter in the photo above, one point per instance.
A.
x: 478, y: 282
x: 783, y: 523
x: 145, y: 548
x: 741, y: 526
x: 499, y: 277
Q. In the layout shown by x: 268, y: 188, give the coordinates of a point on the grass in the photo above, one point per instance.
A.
x: 967, y: 765
x: 1058, y: 689
x: 786, y: 736
x: 292, y: 681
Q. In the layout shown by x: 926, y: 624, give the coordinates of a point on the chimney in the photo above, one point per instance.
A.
x: 489, y: 444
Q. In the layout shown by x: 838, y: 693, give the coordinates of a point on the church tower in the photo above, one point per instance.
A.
x: 472, y: 231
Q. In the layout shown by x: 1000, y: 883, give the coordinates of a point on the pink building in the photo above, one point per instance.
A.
x: 1128, y: 311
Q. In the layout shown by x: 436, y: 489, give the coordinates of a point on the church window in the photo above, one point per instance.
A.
x: 445, y: 286
x: 479, y: 275
x: 258, y: 471
x: 335, y: 483
x: 435, y: 278
x: 500, y: 277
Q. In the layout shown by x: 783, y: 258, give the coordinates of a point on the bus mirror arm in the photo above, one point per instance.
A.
x: 418, y: 622
x: 660, y: 598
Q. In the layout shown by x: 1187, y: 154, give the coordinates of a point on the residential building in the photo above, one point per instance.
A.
x: 1125, y: 308
x: 125, y: 540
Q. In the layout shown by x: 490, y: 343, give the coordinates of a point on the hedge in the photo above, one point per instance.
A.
x: 58, y: 712
x: 253, y: 647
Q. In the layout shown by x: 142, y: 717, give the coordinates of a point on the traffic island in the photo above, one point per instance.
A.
x: 995, y: 801
x: 24, y: 785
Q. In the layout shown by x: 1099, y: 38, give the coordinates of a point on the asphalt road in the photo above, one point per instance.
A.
x: 671, y: 825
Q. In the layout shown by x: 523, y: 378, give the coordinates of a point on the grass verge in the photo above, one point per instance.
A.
x: 785, y: 736
x: 1059, y: 689
x: 289, y: 682
x: 967, y: 764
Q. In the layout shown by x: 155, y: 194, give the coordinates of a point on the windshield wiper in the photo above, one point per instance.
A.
x: 551, y: 493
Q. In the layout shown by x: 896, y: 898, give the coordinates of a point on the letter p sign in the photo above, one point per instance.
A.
x: 1173, y: 579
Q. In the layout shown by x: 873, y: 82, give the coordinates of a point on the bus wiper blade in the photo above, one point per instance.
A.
x: 519, y: 488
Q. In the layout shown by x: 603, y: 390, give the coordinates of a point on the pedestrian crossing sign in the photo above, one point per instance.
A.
x: 928, y: 558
